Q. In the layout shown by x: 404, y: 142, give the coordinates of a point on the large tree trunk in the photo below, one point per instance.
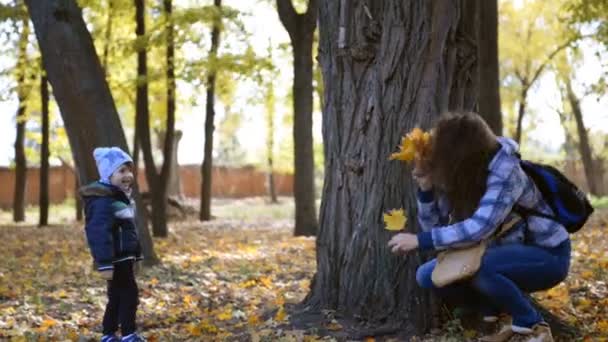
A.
x: 43, y: 201
x: 205, y: 209
x: 583, y: 140
x: 157, y: 182
x: 388, y: 66
x: 20, y: 118
x: 301, y: 28
x: 489, y: 94
x: 85, y: 102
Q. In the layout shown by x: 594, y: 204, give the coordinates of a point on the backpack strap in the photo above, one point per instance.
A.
x: 526, y: 212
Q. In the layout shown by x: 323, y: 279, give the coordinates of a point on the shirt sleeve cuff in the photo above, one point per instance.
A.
x: 426, y: 196
x: 425, y: 241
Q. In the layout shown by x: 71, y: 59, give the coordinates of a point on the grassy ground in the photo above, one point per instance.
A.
x: 229, y: 279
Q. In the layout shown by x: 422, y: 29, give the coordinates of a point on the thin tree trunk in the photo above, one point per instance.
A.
x: 20, y: 167
x: 270, y: 114
x: 387, y: 67
x: 108, y: 37
x: 175, y: 183
x: 301, y: 29
x: 583, y: 140
x: 85, y: 102
x: 20, y: 118
x: 157, y: 182
x: 206, y: 168
x: 523, y: 98
x: 44, y: 154
x: 489, y: 93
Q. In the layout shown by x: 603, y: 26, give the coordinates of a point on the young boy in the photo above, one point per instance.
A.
x: 112, y: 237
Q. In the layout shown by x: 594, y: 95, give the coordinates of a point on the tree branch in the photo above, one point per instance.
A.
x: 550, y: 57
x: 310, y: 17
x: 287, y: 15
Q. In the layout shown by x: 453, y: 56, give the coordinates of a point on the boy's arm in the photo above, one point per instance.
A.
x: 98, y: 229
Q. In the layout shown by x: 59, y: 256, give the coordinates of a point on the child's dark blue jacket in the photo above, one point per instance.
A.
x: 110, y: 225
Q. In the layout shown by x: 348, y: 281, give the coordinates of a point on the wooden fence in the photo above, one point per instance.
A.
x: 227, y: 182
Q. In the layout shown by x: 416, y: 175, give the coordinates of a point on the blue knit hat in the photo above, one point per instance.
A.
x: 108, y: 160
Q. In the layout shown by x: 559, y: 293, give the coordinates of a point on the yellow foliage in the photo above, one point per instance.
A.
x: 395, y: 220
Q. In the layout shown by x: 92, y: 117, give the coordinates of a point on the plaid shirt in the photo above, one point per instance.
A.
x: 507, y: 184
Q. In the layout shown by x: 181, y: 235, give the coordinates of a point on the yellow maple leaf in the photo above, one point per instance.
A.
x: 194, y: 329
x: 469, y: 333
x: 395, y: 220
x: 253, y: 319
x: 602, y: 326
x: 407, y: 150
x: 281, y: 315
x: 226, y: 314
x: 46, y: 324
x: 415, y: 145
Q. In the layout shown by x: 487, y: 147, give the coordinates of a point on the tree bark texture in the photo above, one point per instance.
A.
x: 20, y: 119
x: 583, y: 141
x: 489, y: 93
x: 206, y: 168
x: 43, y: 201
x: 79, y: 87
x: 388, y: 66
x: 301, y: 28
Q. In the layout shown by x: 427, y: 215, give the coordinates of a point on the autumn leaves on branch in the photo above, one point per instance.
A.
x: 415, y: 147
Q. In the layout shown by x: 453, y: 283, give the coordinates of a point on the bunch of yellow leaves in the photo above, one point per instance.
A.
x: 414, y: 146
x: 395, y: 220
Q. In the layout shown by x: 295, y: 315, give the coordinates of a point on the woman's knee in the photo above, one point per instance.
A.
x: 423, y: 274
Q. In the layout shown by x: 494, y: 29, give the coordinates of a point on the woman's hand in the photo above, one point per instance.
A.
x: 421, y: 176
x: 403, y: 243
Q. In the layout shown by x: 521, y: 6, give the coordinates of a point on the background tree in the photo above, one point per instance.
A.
x: 43, y: 201
x: 86, y: 104
x: 301, y: 28
x: 572, y: 111
x: 157, y: 181
x: 21, y: 119
x: 537, y: 26
x: 387, y: 67
x: 206, y: 168
x: 269, y: 105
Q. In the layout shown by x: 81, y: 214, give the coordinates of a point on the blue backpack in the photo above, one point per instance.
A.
x: 570, y: 205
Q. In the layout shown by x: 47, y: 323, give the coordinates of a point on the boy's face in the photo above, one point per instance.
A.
x: 123, y: 177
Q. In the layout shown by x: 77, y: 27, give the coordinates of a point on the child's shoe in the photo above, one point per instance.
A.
x: 110, y: 338
x: 132, y: 338
x: 540, y: 332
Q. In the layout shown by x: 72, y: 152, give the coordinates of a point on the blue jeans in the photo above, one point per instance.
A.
x: 506, y: 273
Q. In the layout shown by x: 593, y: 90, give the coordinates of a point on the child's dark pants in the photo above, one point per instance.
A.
x: 122, y: 300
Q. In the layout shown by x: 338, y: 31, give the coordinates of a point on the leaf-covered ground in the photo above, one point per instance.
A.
x: 224, y: 280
